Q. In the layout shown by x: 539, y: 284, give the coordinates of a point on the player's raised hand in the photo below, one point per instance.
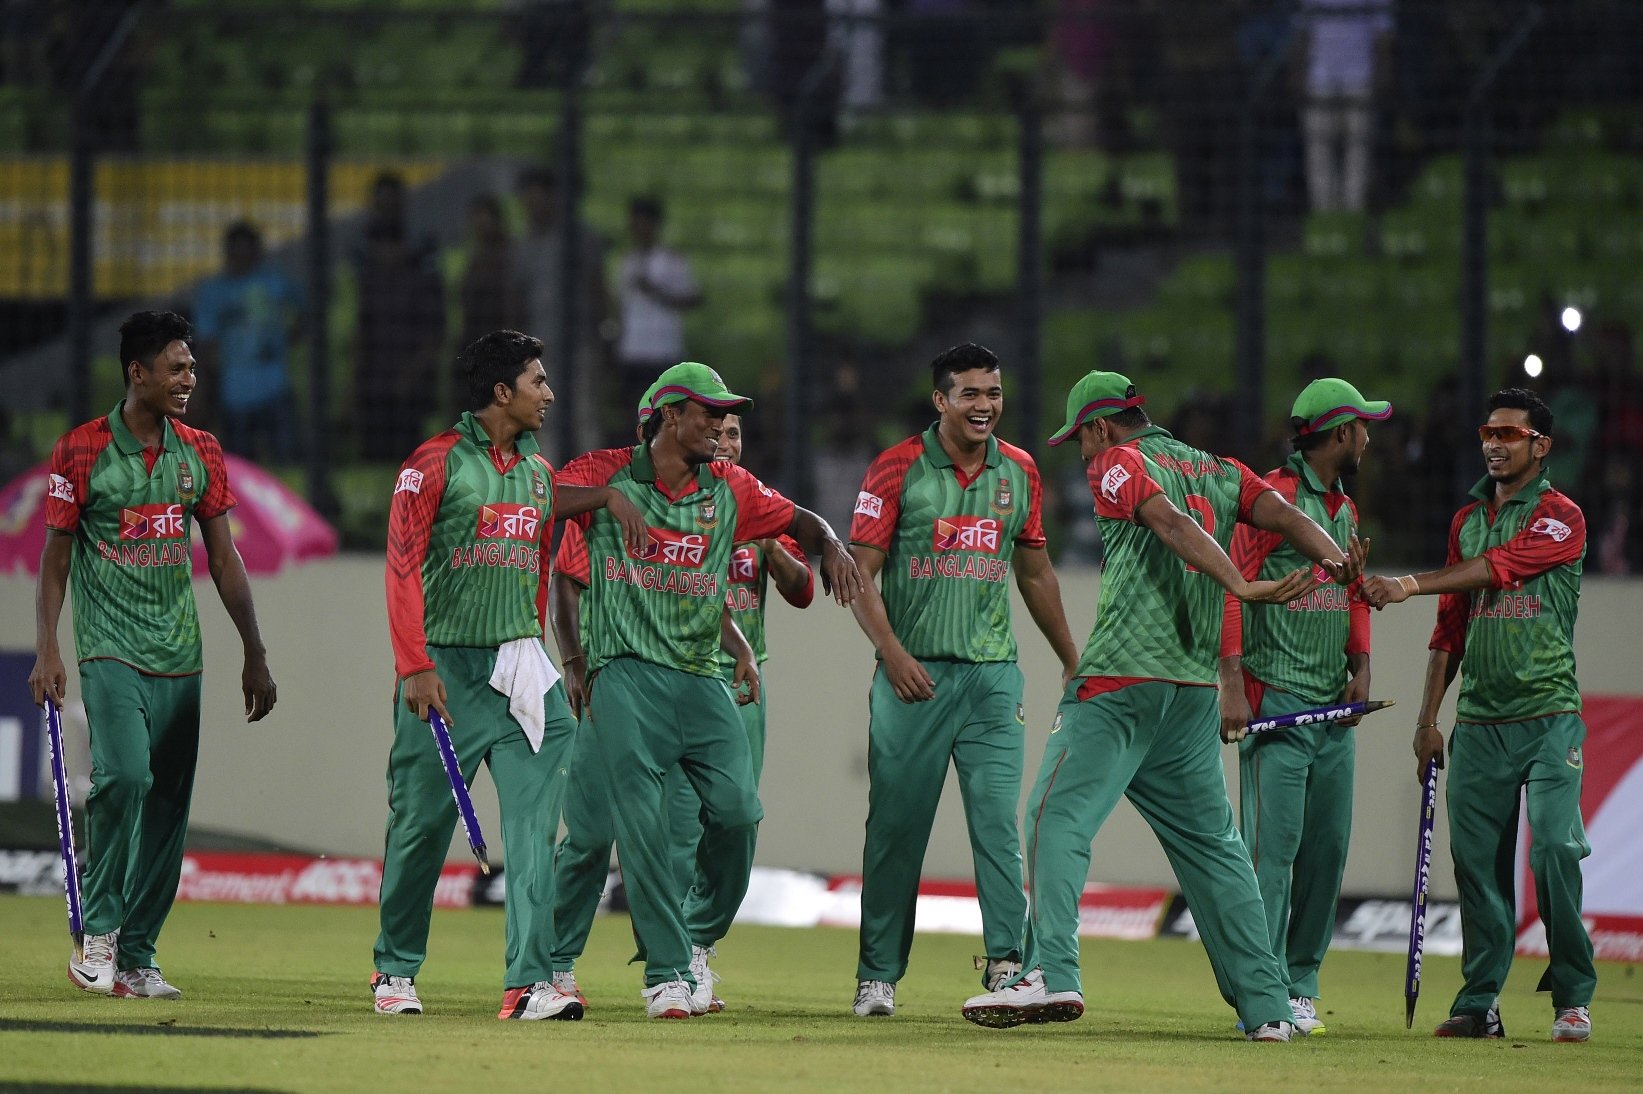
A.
x: 48, y: 679
x: 839, y: 574
x: 1357, y: 553
x: 908, y: 679
x: 1280, y: 590
x: 424, y: 690
x: 257, y: 684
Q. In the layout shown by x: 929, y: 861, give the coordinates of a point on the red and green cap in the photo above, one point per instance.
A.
x: 1097, y: 395
x: 698, y: 383
x: 1326, y: 403
x: 645, y: 408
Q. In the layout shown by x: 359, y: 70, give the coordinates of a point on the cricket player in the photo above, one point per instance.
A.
x: 472, y: 511
x: 656, y: 693
x: 1506, y: 618
x: 945, y: 517
x: 1139, y: 720
x: 1295, y: 787
x: 121, y: 493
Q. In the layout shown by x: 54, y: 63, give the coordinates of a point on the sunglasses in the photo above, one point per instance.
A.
x: 1507, y: 433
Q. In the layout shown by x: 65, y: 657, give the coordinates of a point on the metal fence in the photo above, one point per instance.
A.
x: 1222, y: 199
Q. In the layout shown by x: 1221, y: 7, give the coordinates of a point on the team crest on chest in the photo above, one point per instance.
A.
x: 707, y: 514
x: 539, y: 487
x: 185, y: 483
x: 1003, y: 502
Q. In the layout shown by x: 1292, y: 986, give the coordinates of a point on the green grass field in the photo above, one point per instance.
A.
x: 276, y: 999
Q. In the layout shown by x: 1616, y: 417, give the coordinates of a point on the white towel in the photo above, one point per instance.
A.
x: 524, y: 674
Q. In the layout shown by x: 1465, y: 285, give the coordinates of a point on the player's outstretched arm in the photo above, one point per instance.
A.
x: 839, y: 573
x: 1198, y: 549
x: 49, y: 678
x: 228, y: 573
x: 1041, y: 589
x: 1462, y: 577
x: 571, y: 501
x: 911, y: 682
x: 1271, y: 513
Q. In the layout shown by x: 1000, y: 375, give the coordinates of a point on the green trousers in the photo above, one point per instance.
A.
x: 1295, y: 801
x: 422, y: 816
x: 974, y: 723
x: 1492, y: 767
x: 581, y: 862
x: 1157, y: 744
x: 145, y: 739
x: 649, y: 719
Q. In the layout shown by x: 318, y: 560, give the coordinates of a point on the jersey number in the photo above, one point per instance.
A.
x: 1204, y: 513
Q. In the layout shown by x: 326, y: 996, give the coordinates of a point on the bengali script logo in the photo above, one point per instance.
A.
x: 507, y: 520
x: 153, y: 522
x: 968, y: 534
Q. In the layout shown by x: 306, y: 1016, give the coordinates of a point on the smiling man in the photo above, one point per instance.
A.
x: 944, y: 517
x: 118, y: 504
x: 1506, y: 619
x: 471, y: 515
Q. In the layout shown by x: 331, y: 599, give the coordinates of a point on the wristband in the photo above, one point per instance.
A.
x: 1426, y: 725
x: 568, y: 660
x: 1408, y: 584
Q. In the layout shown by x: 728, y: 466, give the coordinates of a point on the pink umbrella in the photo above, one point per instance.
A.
x: 272, y: 526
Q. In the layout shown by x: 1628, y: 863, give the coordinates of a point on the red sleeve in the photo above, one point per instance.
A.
x: 1450, y: 633
x: 808, y: 593
x: 417, y: 494
x: 592, y: 469
x: 68, y: 477
x: 1554, y: 536
x: 1357, y: 635
x: 218, y: 497
x: 544, y: 572
x: 1250, y: 548
x: 1032, y: 533
x: 1250, y: 487
x: 878, y: 505
x: 761, y: 513
x: 1120, y: 481
x: 572, y: 559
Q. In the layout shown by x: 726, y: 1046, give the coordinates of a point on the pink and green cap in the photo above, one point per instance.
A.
x: 1326, y: 403
x: 1097, y: 395
x: 698, y: 383
x: 645, y: 409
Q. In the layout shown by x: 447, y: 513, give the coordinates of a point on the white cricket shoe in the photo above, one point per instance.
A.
x: 144, y: 983
x: 1572, y: 1024
x: 702, y: 1000
x: 565, y: 981
x: 670, y: 999
x: 874, y: 997
x: 1000, y: 972
x: 395, y: 994
x: 1272, y: 1031
x: 538, y: 1001
x: 1027, y: 1000
x: 91, y: 967
x: 1307, y: 1022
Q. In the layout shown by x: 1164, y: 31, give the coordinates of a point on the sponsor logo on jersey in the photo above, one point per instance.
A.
x: 1547, y: 526
x: 744, y: 564
x: 153, y: 522
x: 1020, y: 714
x: 1573, y: 759
x: 707, y: 514
x: 1113, y: 481
x: 60, y: 488
x: 410, y: 482
x: 185, y: 483
x: 968, y: 534
x: 1003, y: 499
x: 1055, y: 726
x: 675, y: 548
x: 507, y: 520
x: 869, y: 505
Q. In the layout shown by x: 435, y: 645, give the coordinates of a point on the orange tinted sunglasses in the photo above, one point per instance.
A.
x: 1506, y: 433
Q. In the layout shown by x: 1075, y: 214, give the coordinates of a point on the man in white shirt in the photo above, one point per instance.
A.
x: 657, y: 287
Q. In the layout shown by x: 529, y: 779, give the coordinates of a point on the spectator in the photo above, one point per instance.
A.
x: 541, y: 288
x: 657, y: 288
x: 1338, y: 118
x: 245, y: 320
x: 401, y: 335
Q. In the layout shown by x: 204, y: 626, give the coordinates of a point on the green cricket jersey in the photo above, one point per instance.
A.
x: 1300, y: 647
x: 128, y: 509
x: 1156, y: 618
x: 1518, y: 635
x: 466, y: 530
x: 662, y: 602
x: 948, y: 541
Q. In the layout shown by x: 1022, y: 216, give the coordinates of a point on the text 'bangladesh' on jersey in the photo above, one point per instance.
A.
x: 1300, y: 647
x: 131, y: 564
x: 1157, y: 618
x: 466, y: 531
x: 948, y: 542
x: 1519, y: 634
x: 662, y: 602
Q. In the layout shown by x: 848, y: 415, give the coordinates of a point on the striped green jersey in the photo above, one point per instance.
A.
x: 129, y: 510
x: 466, y: 529
x: 1516, y: 638
x: 948, y: 540
x: 661, y: 603
x: 1300, y: 647
x: 1158, y: 619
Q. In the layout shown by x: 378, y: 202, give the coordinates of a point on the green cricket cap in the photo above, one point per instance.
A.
x: 695, y: 381
x: 645, y: 409
x: 1326, y: 403
x: 1097, y: 395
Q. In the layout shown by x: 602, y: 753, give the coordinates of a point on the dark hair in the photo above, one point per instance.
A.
x: 1131, y: 417
x: 495, y: 358
x: 545, y: 177
x: 960, y: 359
x: 1521, y: 398
x: 646, y: 205
x: 242, y: 231
x: 145, y: 335
x: 651, y: 425
x: 1306, y: 442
